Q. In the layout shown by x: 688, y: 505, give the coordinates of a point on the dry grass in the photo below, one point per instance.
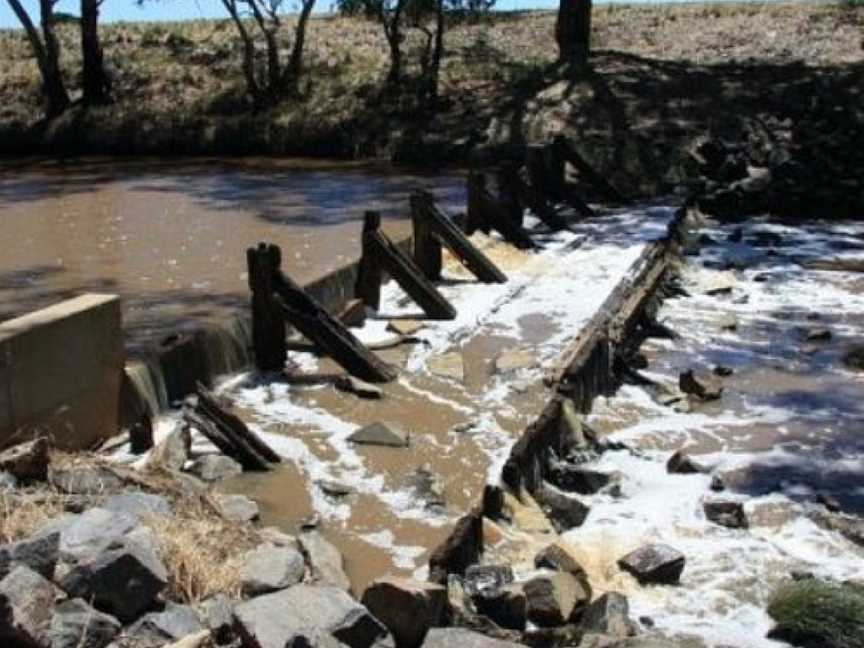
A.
x: 203, y: 552
x: 21, y: 514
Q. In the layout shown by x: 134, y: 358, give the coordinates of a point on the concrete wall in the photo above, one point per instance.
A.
x: 60, y: 372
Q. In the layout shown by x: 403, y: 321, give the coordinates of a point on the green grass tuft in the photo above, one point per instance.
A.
x: 815, y: 613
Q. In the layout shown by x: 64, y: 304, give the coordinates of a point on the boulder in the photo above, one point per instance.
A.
x: 77, y: 625
x: 558, y: 558
x: 26, y: 607
x: 609, y: 615
x: 84, y: 533
x: 86, y: 480
x: 552, y: 599
x: 123, y: 579
x: 26, y: 462
x: 40, y: 553
x: 654, y: 563
x: 448, y: 365
x: 358, y: 387
x: 315, y: 612
x: 156, y: 629
x: 704, y: 386
x: 462, y: 638
x: 483, y: 580
x: 268, y: 568
x: 238, y: 508
x: 380, y: 434
x: 406, y: 607
x: 507, y: 606
x: 564, y: 511
x: 681, y: 463
x: 726, y: 513
x: 137, y: 504
x: 577, y: 479
x: 326, y: 564
x: 213, y: 468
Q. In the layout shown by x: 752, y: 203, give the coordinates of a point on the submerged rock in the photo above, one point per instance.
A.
x: 213, y: 468
x: 380, y: 434
x: 427, y: 487
x: 704, y: 386
x: 681, y: 463
x: 577, y: 479
x: 654, y: 564
x: 408, y: 608
x: 854, y: 359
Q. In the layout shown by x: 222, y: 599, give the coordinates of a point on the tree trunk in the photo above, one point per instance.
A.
x: 573, y: 32
x: 97, y: 87
x: 437, y: 54
x: 47, y: 54
x: 393, y: 32
x: 252, y: 86
x: 295, y: 65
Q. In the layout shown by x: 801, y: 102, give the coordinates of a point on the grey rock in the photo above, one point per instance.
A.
x: 577, y: 479
x: 462, y: 638
x: 123, y: 579
x: 137, y: 504
x: 218, y: 615
x: 213, y: 468
x: 335, y: 489
x: 726, y: 513
x: 702, y: 385
x: 380, y: 434
x: 158, y: 628
x: 8, y: 482
x: 553, y: 599
x: 558, y: 558
x: 358, y: 387
x: 326, y: 564
x: 850, y: 527
x: 609, y: 615
x: 88, y: 480
x: 314, y: 613
x: 406, y: 607
x: 172, y: 452
x: 268, y: 568
x: 85, y: 533
x: 77, y: 625
x: 40, y: 553
x: 26, y: 607
x: 26, y: 462
x: 427, y: 487
x: 563, y: 510
x: 681, y: 463
x: 484, y: 580
x: 507, y: 607
x: 238, y: 508
x: 654, y: 563
x: 278, y: 537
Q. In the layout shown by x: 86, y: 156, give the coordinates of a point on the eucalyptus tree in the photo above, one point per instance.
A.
x: 573, y: 32
x: 95, y: 81
x: 277, y: 78
x: 46, y: 49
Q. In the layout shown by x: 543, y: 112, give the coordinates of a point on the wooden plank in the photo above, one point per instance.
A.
x: 246, y: 456
x: 268, y: 328
x: 423, y: 208
x: 569, y: 153
x: 378, y: 247
x: 220, y: 409
x: 310, y: 318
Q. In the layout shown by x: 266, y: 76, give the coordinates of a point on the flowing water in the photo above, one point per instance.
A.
x: 169, y: 236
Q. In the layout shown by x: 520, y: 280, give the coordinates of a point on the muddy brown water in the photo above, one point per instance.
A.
x: 169, y: 236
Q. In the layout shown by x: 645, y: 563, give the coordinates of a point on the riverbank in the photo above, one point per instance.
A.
x: 760, y: 81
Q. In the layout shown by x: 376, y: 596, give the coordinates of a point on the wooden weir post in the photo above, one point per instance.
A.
x: 379, y: 253
x: 437, y: 230
x: 485, y: 212
x: 510, y: 192
x: 547, y: 178
x: 268, y: 327
x: 568, y: 152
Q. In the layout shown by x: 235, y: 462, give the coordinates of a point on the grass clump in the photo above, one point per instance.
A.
x: 815, y: 613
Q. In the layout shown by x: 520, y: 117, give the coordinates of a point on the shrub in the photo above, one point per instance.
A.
x: 815, y: 613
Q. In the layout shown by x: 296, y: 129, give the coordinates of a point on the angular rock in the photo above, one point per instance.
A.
x: 380, y: 434
x: 717, y: 484
x: 217, y: 613
x: 40, y: 553
x: 427, y: 487
x: 557, y: 558
x: 172, y: 452
x: 156, y: 629
x: 726, y: 513
x: 123, y: 579
x: 238, y: 508
x: 553, y: 598
x: 483, y: 580
x: 358, y: 387
x: 564, y: 511
x: 609, y: 615
x: 462, y: 638
x: 213, y: 468
x: 8, y: 482
x: 138, y: 504
x: 507, y: 607
x: 278, y: 537
x: 654, y: 563
x: 268, y: 568
x: 326, y: 564
x: 200, y: 639
x: 26, y: 607
x: 86, y: 480
x: 406, y: 607
x: 334, y: 488
x: 448, y: 365
x: 681, y: 463
x: 26, y: 462
x: 577, y: 479
x: 84, y: 533
x: 404, y: 327
x: 705, y: 387
x: 315, y: 612
x: 514, y: 360
x: 77, y: 625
